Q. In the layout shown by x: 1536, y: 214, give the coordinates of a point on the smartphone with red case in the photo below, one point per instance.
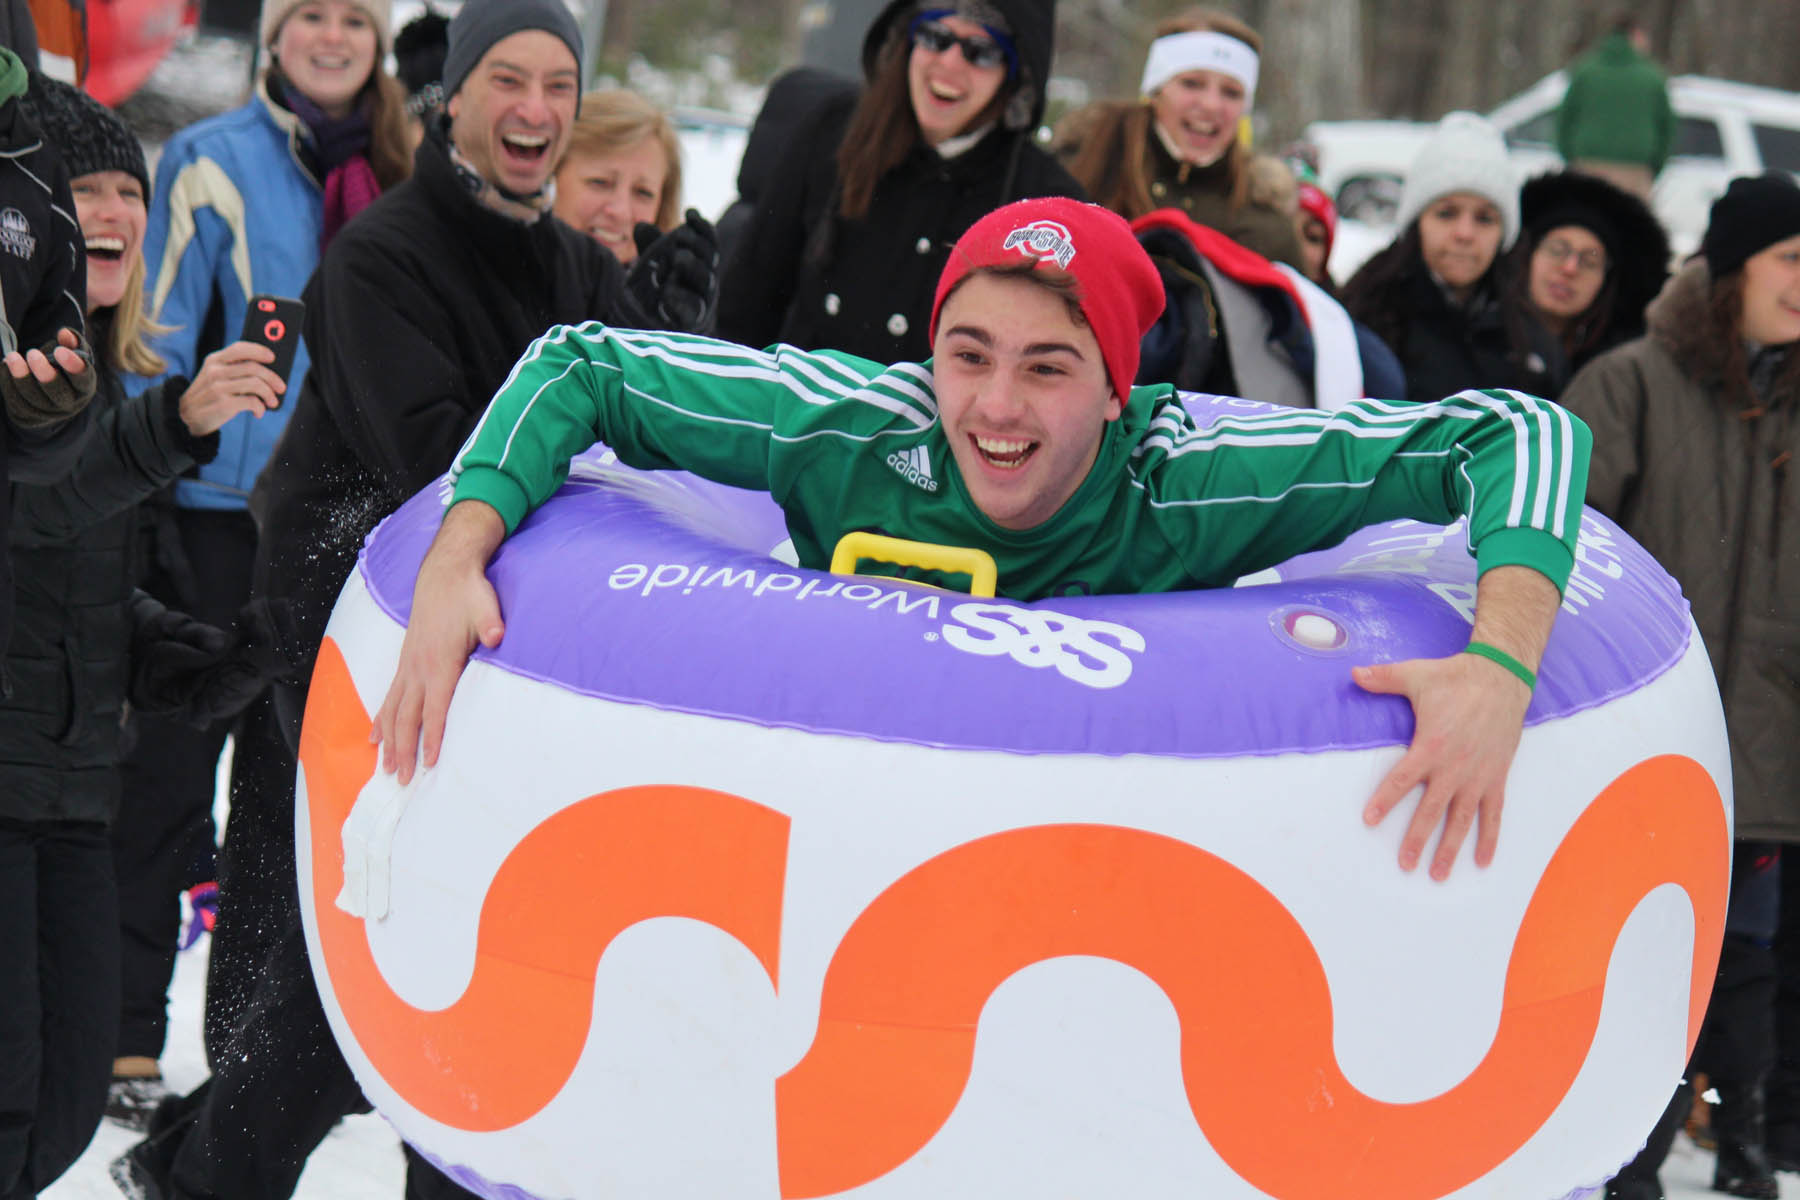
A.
x: 274, y: 321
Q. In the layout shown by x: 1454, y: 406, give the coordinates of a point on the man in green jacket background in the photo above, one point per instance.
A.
x: 1024, y: 437
x: 1615, y: 120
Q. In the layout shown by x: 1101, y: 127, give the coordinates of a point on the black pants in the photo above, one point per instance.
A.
x: 1736, y: 1049
x: 1784, y: 1080
x: 59, y: 996
x: 279, y: 1082
x: 163, y: 838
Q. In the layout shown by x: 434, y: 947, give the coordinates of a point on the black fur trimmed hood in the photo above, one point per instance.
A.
x: 1636, y: 242
x: 1683, y: 322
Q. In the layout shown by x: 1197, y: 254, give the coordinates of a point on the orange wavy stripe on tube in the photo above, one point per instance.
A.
x: 904, y: 992
x: 504, y: 1049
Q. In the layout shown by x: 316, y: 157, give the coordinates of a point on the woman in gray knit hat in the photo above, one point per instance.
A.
x: 1439, y: 294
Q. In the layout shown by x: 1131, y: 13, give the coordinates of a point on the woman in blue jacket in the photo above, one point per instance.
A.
x: 244, y: 204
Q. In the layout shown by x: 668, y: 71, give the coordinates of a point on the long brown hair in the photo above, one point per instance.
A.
x: 390, y: 145
x: 383, y: 101
x: 882, y: 129
x: 1588, y: 330
x: 1107, y: 147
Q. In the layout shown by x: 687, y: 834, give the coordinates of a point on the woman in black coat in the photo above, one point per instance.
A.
x: 1441, y: 294
x: 82, y: 644
x: 1589, y: 262
x: 845, y: 246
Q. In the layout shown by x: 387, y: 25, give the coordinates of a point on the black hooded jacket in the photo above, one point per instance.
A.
x: 418, y: 311
x: 1637, y: 252
x: 42, y: 290
x: 802, y: 274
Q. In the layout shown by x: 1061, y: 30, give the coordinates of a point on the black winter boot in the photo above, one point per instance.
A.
x: 1743, y: 1170
x: 1743, y: 1165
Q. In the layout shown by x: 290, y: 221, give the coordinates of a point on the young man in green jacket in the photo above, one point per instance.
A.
x: 1024, y: 437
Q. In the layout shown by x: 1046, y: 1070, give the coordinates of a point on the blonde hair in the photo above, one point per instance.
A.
x: 613, y: 120
x: 128, y: 341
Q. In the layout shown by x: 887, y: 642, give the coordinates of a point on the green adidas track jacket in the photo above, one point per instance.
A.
x: 843, y: 444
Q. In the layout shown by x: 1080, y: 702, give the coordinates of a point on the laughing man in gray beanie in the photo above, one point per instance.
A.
x: 415, y: 316
x: 481, y: 23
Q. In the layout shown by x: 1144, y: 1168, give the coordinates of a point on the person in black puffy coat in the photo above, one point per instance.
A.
x: 853, y: 224
x: 84, y: 645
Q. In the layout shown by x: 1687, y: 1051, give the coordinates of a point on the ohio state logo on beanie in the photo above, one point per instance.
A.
x: 1043, y: 240
x: 1116, y: 285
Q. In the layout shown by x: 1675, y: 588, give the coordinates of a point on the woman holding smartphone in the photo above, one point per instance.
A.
x: 83, y: 645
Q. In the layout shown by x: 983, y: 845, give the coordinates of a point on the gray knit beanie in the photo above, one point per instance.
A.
x: 1465, y: 154
x: 479, y: 24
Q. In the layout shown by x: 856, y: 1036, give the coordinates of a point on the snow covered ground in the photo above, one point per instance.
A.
x: 361, y: 1159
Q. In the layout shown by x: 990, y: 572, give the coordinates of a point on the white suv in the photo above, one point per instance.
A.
x: 1722, y: 130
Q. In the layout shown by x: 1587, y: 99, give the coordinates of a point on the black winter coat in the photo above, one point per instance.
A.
x: 73, y: 552
x: 803, y: 275
x: 794, y: 104
x: 42, y: 289
x: 1445, y: 349
x: 418, y: 311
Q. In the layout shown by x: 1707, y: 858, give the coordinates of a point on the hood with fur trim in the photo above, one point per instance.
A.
x: 1636, y: 245
x: 1682, y: 322
x: 1033, y: 24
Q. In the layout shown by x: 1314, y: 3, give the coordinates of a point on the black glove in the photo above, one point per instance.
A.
x: 34, y: 405
x: 675, y: 279
x: 202, y: 674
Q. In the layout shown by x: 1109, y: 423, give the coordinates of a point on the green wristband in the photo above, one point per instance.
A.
x: 1495, y: 655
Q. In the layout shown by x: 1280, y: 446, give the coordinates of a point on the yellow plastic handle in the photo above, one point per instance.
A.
x: 978, y: 565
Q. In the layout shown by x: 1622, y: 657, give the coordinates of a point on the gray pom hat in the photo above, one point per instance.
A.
x: 1466, y: 153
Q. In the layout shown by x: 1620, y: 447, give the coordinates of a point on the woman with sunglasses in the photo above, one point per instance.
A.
x: 1593, y: 257
x: 1178, y: 145
x: 843, y: 249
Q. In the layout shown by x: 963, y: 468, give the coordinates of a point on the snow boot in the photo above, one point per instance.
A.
x: 1743, y: 1165
x: 131, y: 1099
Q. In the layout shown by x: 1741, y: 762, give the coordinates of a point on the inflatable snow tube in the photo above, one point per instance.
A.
x: 742, y: 880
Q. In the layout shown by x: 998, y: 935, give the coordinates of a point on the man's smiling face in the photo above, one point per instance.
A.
x: 1022, y: 393
x: 512, y: 116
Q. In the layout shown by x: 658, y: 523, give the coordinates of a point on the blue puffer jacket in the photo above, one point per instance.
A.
x: 235, y: 213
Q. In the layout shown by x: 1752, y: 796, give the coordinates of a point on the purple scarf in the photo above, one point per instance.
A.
x: 341, y: 145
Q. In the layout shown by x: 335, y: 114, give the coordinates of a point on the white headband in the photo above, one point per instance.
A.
x: 1203, y: 51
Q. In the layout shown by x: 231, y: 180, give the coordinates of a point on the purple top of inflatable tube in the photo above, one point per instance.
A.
x: 658, y: 588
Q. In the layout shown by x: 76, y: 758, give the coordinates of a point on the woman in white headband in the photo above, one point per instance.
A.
x: 1178, y: 145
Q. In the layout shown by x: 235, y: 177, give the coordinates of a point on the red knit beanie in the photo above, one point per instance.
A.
x: 1315, y: 203
x: 1118, y: 289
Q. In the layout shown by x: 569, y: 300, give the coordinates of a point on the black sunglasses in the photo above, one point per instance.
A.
x: 938, y: 37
